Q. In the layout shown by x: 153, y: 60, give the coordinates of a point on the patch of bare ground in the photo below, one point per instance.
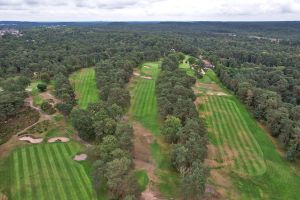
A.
x: 47, y: 96
x: 142, y: 160
x: 219, y: 179
x: 25, y: 117
x: 148, y: 67
x: 9, y: 146
x: 3, y: 197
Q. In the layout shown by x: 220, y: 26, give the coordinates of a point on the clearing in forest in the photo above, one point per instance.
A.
x: 161, y: 175
x: 47, y: 171
x: 245, y: 163
x: 84, y: 84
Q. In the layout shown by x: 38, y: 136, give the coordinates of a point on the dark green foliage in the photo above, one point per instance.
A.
x: 182, y: 126
x: 42, y: 87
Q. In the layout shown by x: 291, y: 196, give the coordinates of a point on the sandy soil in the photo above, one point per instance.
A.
x: 9, y: 146
x: 148, y: 67
x: 142, y: 159
x: 146, y: 77
x: 136, y: 74
x: 80, y: 157
x: 31, y: 139
x: 58, y: 139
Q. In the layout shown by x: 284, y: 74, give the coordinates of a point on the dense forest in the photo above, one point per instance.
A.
x: 259, y: 62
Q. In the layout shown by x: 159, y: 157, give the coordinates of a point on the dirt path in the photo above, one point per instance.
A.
x: 142, y: 159
x: 43, y: 116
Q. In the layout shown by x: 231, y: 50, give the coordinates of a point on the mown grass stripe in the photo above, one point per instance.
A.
x: 241, y: 143
x: 227, y: 133
x: 17, y: 192
x: 61, y: 163
x: 26, y: 181
x: 248, y: 146
x: 82, y: 184
x: 49, y: 173
x: 217, y: 132
x: 59, y: 177
x: 32, y: 174
x: 43, y: 178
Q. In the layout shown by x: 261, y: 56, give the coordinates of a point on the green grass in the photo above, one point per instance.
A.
x: 84, y: 84
x: 47, y: 171
x: 186, y: 66
x: 257, y: 169
x: 142, y: 178
x: 144, y: 105
x: 144, y: 110
x: 37, y: 99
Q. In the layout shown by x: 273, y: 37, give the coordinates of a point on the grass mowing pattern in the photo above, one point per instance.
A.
x: 47, y: 171
x: 235, y: 141
x: 144, y: 105
x: 280, y: 179
x: 144, y: 110
x: 84, y: 84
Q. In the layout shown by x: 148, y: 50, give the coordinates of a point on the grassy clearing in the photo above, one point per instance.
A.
x: 84, y: 84
x: 257, y: 171
x: 46, y: 171
x: 144, y: 110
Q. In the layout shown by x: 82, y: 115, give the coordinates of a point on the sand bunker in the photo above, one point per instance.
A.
x: 31, y: 139
x: 216, y: 93
x: 147, y: 67
x: 146, y: 77
x: 80, y: 157
x: 136, y: 74
x: 58, y: 139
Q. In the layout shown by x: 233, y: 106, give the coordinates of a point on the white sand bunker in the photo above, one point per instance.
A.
x: 147, y: 67
x: 80, y: 157
x: 31, y: 139
x: 146, y: 77
x: 217, y: 93
x: 58, y: 139
x: 136, y: 74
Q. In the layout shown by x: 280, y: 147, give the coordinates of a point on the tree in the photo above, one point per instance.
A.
x: 193, y: 182
x: 83, y: 122
x: 171, y: 126
x: 45, y: 77
x: 64, y: 108
x: 47, y: 107
x: 42, y: 87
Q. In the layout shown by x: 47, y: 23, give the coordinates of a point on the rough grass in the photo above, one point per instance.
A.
x: 46, y: 171
x: 84, y: 84
x: 257, y: 169
x: 142, y: 178
x: 144, y: 110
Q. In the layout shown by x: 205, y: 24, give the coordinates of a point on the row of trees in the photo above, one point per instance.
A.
x: 182, y: 127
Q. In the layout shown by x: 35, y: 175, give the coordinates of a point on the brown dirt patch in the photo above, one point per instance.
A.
x: 58, y: 139
x: 3, y: 197
x: 136, y: 74
x: 9, y: 146
x: 142, y: 159
x: 80, y: 157
x: 47, y: 96
x: 25, y: 118
x: 31, y: 139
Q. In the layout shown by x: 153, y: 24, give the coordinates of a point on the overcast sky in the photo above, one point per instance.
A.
x: 150, y: 10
